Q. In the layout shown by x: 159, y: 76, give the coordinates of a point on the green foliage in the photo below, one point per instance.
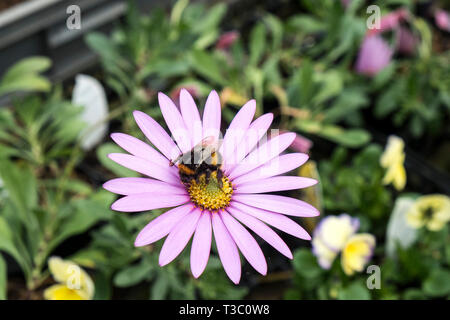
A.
x: 357, y: 186
x: 3, y: 278
x: 24, y: 76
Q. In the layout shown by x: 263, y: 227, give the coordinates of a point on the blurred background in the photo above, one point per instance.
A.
x: 364, y: 84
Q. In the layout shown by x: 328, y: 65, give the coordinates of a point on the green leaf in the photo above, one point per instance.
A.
x: 305, y: 263
x: 305, y: 24
x: 211, y: 20
x: 22, y: 190
x: 257, y: 43
x: 355, y: 291
x: 102, y: 155
x: 352, y: 138
x: 437, y: 284
x: 86, y: 213
x: 276, y: 28
x: 413, y: 294
x: 7, y: 245
x: 3, y: 278
x: 134, y: 274
x: 160, y: 287
x: 24, y: 76
x: 207, y: 66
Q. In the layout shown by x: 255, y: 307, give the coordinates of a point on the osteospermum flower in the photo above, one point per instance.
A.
x: 336, y: 234
x: 215, y: 198
x: 431, y: 211
x: 73, y: 282
x: 392, y: 160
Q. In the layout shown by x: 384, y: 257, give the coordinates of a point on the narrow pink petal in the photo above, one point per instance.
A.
x: 212, y: 116
x: 126, y: 186
x: 160, y: 227
x: 139, y: 149
x: 272, y: 184
x: 191, y: 117
x: 280, y: 204
x: 263, y: 154
x: 201, y: 245
x: 253, y: 135
x: 246, y: 243
x: 237, y: 129
x: 178, y: 237
x: 157, y: 135
x: 278, y: 165
x: 276, y: 220
x: 262, y: 230
x: 228, y: 252
x: 175, y: 122
x: 148, y: 201
x: 145, y: 167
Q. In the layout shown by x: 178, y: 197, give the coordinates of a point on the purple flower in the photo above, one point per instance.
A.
x: 226, y: 40
x: 390, y: 21
x: 214, y: 199
x: 442, y: 19
x: 374, y: 55
x: 406, y: 42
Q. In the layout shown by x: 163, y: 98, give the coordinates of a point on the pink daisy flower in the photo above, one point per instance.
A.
x: 217, y: 196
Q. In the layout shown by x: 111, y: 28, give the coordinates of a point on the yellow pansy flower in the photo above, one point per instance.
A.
x: 431, y: 211
x: 73, y: 282
x: 392, y: 160
x: 357, y: 252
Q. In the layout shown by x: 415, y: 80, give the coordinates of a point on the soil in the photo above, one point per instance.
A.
x: 17, y: 290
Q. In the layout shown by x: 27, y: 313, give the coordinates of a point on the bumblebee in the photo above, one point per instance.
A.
x: 201, y: 162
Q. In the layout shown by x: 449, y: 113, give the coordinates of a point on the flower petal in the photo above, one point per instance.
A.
x: 139, y: 148
x: 212, y: 116
x: 276, y: 220
x: 175, y: 122
x: 278, y: 165
x: 126, y: 186
x: 281, y: 204
x: 275, y: 184
x: 263, y: 154
x: 159, y: 227
x: 179, y: 237
x: 237, y: 129
x: 245, y: 242
x: 201, y: 245
x: 262, y: 230
x: 148, y: 201
x: 252, y: 136
x: 228, y: 252
x: 157, y: 135
x: 191, y: 117
x: 145, y: 167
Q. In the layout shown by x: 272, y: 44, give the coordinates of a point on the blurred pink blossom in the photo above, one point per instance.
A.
x: 374, y: 55
x: 226, y: 40
x: 346, y: 3
x: 300, y: 143
x: 406, y: 42
x: 390, y: 21
x: 442, y: 19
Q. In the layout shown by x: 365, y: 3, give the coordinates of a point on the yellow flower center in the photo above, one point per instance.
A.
x: 209, y: 194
